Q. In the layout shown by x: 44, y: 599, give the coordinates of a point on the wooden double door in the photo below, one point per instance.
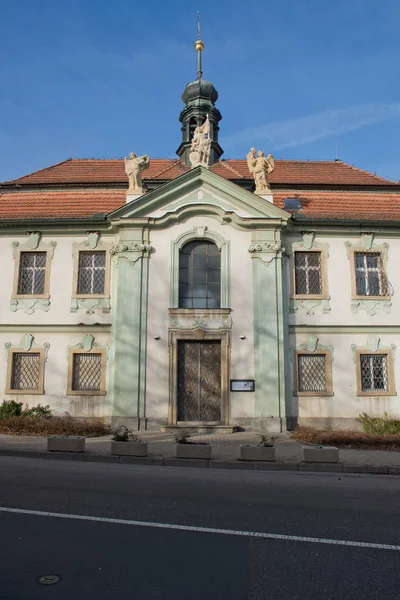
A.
x: 199, y: 381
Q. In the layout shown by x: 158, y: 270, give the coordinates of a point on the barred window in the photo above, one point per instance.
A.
x: 311, y: 369
x: 32, y: 270
x: 25, y: 371
x: 370, y: 276
x: 200, y: 276
x: 308, y: 278
x: 91, y: 272
x: 374, y: 372
x: 86, y: 372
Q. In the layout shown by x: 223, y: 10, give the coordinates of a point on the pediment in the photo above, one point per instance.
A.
x: 200, y: 191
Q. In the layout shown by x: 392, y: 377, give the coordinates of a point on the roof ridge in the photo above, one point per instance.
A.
x: 175, y: 162
x: 39, y: 170
x: 224, y: 162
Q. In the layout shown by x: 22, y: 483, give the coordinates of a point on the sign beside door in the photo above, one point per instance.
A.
x: 242, y: 385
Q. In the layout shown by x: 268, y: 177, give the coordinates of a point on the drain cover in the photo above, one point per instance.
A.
x: 48, y: 579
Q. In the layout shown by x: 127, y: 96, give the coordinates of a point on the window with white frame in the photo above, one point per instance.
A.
x: 370, y: 276
x: 91, y: 272
x: 308, y: 276
x: 32, y: 272
x: 374, y: 372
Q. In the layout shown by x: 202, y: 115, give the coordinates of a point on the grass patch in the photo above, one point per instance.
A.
x: 52, y: 426
x: 347, y: 439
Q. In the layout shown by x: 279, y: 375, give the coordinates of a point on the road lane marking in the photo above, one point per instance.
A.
x: 252, y: 534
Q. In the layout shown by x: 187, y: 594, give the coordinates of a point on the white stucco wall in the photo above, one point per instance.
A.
x: 345, y: 403
x: 61, y: 270
x: 56, y: 374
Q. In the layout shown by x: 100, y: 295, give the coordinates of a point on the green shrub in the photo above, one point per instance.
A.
x: 39, y: 412
x: 379, y: 425
x: 10, y: 408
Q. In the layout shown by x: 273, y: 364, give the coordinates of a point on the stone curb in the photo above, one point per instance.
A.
x: 204, y: 463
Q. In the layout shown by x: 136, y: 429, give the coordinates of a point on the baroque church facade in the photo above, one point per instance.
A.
x: 201, y: 292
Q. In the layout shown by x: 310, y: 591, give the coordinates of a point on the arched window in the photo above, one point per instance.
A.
x: 200, y: 275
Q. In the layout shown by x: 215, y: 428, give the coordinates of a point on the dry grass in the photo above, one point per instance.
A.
x: 53, y: 426
x: 347, y: 439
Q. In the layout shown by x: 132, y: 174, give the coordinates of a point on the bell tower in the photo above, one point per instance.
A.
x: 199, y: 98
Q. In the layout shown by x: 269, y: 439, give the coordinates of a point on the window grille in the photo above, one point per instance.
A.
x: 374, y: 373
x: 370, y: 277
x: 200, y: 276
x: 91, y: 272
x: 32, y: 270
x: 86, y: 372
x: 308, y: 273
x: 25, y: 371
x: 311, y: 372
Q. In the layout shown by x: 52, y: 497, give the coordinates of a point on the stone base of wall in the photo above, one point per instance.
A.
x: 326, y: 423
x: 261, y: 424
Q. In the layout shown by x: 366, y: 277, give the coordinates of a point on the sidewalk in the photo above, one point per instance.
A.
x: 225, y: 450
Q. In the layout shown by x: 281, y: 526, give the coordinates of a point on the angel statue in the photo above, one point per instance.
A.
x: 260, y: 167
x: 134, y: 165
x: 201, y: 145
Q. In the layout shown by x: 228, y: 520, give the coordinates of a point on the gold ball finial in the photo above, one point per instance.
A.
x: 198, y: 46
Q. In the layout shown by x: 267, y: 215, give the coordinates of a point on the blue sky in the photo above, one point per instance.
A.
x: 105, y: 78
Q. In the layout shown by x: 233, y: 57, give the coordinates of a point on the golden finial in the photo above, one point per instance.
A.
x: 198, y: 46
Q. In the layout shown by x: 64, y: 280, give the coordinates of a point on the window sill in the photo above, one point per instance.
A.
x: 373, y: 298
x: 376, y: 393
x: 25, y: 392
x: 310, y: 297
x: 312, y: 394
x: 85, y: 393
x: 30, y: 297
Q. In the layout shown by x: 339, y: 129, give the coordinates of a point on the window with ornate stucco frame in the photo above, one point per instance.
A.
x: 35, y: 270
x: 322, y: 269
x: 374, y: 368
x: 200, y: 233
x: 312, y: 369
x: 310, y: 272
x: 92, y: 299
x: 87, y: 366
x: 371, y: 275
x: 25, y: 366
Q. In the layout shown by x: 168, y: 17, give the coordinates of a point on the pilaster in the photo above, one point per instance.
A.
x: 129, y: 328
x: 269, y: 339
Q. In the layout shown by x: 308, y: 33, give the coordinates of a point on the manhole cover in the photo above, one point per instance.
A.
x: 48, y: 579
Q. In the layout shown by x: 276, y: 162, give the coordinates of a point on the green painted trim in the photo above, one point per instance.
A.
x: 87, y: 343
x: 27, y: 343
x: 373, y: 345
x: 269, y: 334
x: 200, y: 233
x: 104, y: 327
x: 345, y: 329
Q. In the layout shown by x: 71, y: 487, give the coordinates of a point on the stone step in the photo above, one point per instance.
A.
x: 201, y: 428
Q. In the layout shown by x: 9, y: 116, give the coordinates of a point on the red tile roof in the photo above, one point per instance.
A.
x: 50, y: 205
x: 287, y: 172
x: 345, y: 205
x: 315, y: 204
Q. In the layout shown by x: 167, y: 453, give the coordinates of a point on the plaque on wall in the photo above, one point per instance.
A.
x: 242, y: 385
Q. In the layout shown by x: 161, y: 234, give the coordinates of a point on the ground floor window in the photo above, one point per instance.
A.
x: 25, y: 372
x: 313, y: 376
x: 86, y: 373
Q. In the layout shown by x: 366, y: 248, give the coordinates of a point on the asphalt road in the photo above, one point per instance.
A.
x: 111, y: 560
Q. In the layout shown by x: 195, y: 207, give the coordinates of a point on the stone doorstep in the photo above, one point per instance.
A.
x: 205, y: 429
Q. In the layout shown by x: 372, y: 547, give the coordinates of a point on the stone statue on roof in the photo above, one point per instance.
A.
x: 260, y: 167
x: 134, y: 165
x: 201, y: 145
